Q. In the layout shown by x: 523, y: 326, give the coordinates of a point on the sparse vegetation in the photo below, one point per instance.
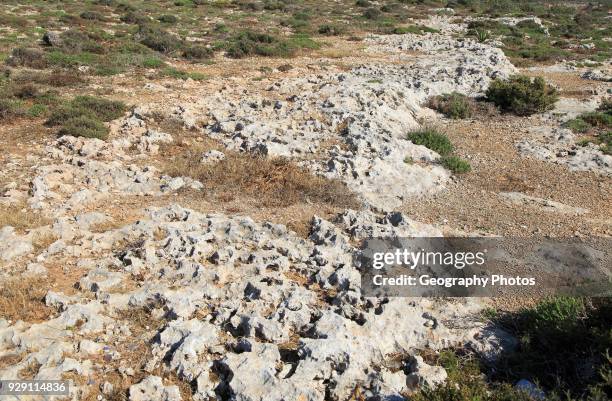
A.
x: 416, y: 29
x: 522, y: 95
x: 556, y: 335
x: 271, y: 182
x: 24, y: 300
x: 249, y: 43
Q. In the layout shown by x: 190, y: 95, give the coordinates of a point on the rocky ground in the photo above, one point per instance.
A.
x: 155, y: 287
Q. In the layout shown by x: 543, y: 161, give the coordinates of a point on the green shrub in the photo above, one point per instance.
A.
x: 75, y: 42
x: 168, y: 19
x: 249, y: 43
x: 104, y: 109
x: 605, y: 106
x: 37, y: 110
x: 557, y: 335
x: 415, y: 29
x: 92, y: 15
x: 89, y: 107
x: 132, y: 17
x: 452, y: 105
x: 431, y: 139
x: 455, y: 164
x: 466, y: 382
x: 363, y: 3
x: 598, y: 119
x: 372, y: 13
x: 180, y: 74
x: 158, y: 39
x: 577, y: 125
x: 522, y: 95
x: 85, y: 127
x: 10, y: 109
x: 331, y: 30
x: 197, y: 52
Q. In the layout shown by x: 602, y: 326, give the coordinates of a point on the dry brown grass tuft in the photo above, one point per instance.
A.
x: 21, y: 217
x: 271, y: 182
x: 56, y: 78
x: 23, y: 299
x: 30, y: 371
x: 10, y: 360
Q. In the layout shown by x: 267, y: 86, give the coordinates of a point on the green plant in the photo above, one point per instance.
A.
x: 556, y: 335
x: 253, y: 43
x: 37, y: 110
x: 92, y: 15
x: 372, y: 13
x: 87, y: 106
x: 598, y: 119
x: 455, y: 164
x: 104, y: 109
x: 431, y: 139
x: 10, y: 108
x: 197, y: 52
x: 158, y: 39
x: 331, y: 30
x: 416, y: 29
x: 85, y: 127
x: 577, y: 125
x: 482, y: 35
x: 167, y: 19
x: 466, y: 382
x: 452, y: 105
x: 522, y: 95
x: 180, y: 74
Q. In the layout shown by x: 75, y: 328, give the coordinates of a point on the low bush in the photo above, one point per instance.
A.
x: 251, y: 43
x: 452, y: 105
x: 521, y: 95
x: 556, y: 336
x: 74, y: 41
x: 10, y: 109
x: 577, y: 125
x: 27, y: 57
x: 57, y: 78
x: 331, y: 30
x: 180, y: 74
x: 415, y: 29
x: 167, y: 19
x: 372, y: 13
x: 89, y: 107
x: 158, y: 39
x: 197, y: 52
x: 132, y: 17
x: 431, y: 139
x: 84, y: 126
x: 596, y: 121
x: 92, y: 15
x: 24, y: 91
x: 455, y: 164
